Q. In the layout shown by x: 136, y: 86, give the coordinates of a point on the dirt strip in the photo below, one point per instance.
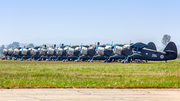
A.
x: 89, y: 94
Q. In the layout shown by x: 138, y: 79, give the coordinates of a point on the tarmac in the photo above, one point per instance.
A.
x: 89, y: 94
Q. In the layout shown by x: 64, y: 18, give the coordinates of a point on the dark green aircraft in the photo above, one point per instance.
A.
x: 35, y: 53
x: 87, y: 53
x: 117, y: 53
x: 123, y: 51
x: 106, y: 51
x: 8, y: 53
x: 142, y: 53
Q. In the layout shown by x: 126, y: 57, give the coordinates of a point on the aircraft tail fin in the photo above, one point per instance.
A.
x: 151, y: 45
x: 171, y: 46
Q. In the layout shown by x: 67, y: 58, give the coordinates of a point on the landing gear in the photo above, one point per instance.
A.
x: 40, y: 59
x: 90, y: 60
x: 29, y: 60
x: 119, y: 60
x: 139, y: 61
x: 77, y: 60
x: 49, y: 59
x: 58, y: 58
x: 107, y: 60
x: 124, y: 61
x: 21, y: 59
x: 10, y: 58
x: 4, y: 58
x: 65, y: 60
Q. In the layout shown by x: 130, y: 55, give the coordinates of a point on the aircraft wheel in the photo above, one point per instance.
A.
x: 122, y: 61
x: 109, y: 61
x: 65, y: 60
x: 91, y: 60
x: 137, y: 61
x: 126, y: 61
x: 20, y: 59
x: 76, y: 60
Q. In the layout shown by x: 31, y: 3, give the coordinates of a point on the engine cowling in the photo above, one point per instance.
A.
x: 84, y: 51
x: 118, y: 50
x: 24, y: 51
x: 34, y: 52
x: 5, y: 51
x: 10, y: 51
x: 43, y: 52
x: 70, y: 51
x: 16, y: 51
x: 50, y: 51
x: 78, y: 49
x: 59, y: 51
x: 100, y: 51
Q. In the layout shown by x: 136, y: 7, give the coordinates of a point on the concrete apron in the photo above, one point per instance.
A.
x: 89, y: 94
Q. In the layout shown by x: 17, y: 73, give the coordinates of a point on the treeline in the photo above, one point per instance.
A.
x: 14, y: 45
x: 179, y: 56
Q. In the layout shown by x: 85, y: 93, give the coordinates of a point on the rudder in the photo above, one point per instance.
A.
x: 171, y: 46
x: 151, y: 45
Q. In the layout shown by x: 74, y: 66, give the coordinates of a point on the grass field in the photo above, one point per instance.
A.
x: 56, y: 74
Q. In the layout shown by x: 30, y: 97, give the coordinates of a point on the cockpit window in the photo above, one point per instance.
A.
x: 77, y: 48
x: 90, y: 48
x: 126, y: 46
x: 108, y: 47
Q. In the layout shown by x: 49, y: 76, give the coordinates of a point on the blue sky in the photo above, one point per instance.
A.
x: 88, y: 21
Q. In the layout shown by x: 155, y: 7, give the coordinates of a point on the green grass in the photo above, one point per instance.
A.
x: 35, y: 74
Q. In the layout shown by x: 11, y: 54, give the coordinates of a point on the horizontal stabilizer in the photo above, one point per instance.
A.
x: 169, y: 51
x: 171, y: 46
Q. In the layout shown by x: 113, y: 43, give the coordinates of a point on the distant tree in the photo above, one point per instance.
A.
x: 30, y: 45
x: 166, y: 39
x: 1, y: 49
x: 13, y: 45
x: 9, y: 46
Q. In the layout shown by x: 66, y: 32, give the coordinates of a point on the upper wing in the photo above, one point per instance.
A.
x: 139, y: 45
